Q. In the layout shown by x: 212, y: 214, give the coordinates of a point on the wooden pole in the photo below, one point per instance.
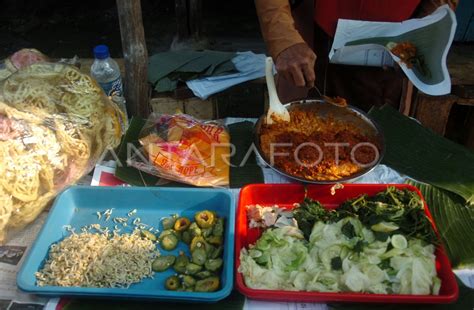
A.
x: 195, y: 18
x: 135, y: 57
x: 181, y: 12
x: 406, y: 98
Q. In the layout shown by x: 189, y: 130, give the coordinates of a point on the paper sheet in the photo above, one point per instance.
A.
x: 250, y: 66
x: 12, y: 256
x: 104, y: 175
x: 251, y: 304
x: 432, y: 35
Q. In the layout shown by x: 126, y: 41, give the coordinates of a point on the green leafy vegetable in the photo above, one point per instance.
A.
x: 359, y: 246
x: 309, y: 212
x: 336, y: 263
x: 348, y: 230
x: 381, y: 236
x: 388, y: 212
x: 385, y: 264
x: 398, y: 211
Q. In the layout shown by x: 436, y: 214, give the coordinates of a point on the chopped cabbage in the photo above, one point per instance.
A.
x: 340, y: 256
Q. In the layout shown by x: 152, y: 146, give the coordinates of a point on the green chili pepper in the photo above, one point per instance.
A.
x: 182, y: 224
x: 186, y: 237
x: 197, y: 242
x: 210, y: 284
x: 172, y: 283
x: 205, y: 219
x: 161, y: 263
x: 213, y: 264
x: 199, y: 256
x: 168, y: 222
x: 209, y: 249
x: 217, y: 252
x: 206, y: 232
x: 203, y: 274
x: 188, y: 281
x: 195, y: 230
x: 166, y: 233
x: 169, y: 242
x: 181, y: 262
x: 193, y: 268
x: 215, y: 240
x: 218, y: 229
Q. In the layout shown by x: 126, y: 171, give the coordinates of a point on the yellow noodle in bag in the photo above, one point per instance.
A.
x: 55, y: 122
x: 184, y: 149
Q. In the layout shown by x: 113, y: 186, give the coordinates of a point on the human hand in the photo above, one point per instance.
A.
x: 296, y: 64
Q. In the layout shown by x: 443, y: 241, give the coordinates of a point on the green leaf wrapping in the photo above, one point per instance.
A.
x: 455, y: 223
x: 418, y: 152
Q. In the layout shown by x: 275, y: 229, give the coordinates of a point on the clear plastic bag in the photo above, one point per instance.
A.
x: 55, y: 123
x: 184, y: 149
x: 19, y: 60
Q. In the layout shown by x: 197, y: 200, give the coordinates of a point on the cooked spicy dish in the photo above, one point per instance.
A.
x: 318, y: 148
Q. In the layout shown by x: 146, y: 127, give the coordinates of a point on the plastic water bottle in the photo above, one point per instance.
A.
x: 106, y: 72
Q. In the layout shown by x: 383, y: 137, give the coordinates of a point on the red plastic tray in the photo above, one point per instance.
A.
x: 285, y: 195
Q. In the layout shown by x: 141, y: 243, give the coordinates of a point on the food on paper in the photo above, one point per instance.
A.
x: 317, y: 148
x: 98, y: 260
x: 55, y: 122
x: 409, y: 55
x: 406, y: 51
x: 184, y: 149
x: 205, y: 238
x: 341, y: 250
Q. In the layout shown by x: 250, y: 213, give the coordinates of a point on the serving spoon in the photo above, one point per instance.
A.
x: 337, y: 101
x: 276, y: 111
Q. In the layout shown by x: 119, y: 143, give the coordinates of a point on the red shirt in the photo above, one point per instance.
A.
x: 327, y: 12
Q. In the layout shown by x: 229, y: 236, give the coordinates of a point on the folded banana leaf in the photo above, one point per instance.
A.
x: 455, y: 223
x: 418, y: 152
x: 129, y: 144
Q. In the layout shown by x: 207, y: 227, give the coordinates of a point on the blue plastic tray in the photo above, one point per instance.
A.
x: 77, y: 206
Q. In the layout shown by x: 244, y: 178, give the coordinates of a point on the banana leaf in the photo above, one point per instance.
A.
x: 125, y: 172
x: 455, y: 223
x: 418, y: 152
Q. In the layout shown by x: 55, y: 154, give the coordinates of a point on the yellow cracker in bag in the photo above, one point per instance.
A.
x: 183, y: 149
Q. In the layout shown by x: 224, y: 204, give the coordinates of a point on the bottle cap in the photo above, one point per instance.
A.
x: 101, y: 52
